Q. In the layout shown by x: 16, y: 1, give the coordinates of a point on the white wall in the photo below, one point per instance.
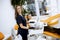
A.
x: 7, y: 20
x: 53, y: 7
x: 58, y: 2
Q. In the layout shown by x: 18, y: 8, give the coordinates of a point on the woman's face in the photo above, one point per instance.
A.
x: 19, y: 9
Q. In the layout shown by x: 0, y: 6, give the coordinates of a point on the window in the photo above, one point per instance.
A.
x: 42, y: 7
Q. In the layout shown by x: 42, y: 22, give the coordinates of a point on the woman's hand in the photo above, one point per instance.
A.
x: 27, y: 22
x: 28, y: 26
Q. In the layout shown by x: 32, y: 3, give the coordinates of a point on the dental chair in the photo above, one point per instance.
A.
x: 36, y: 33
x: 14, y: 33
x: 1, y: 36
x: 51, y: 24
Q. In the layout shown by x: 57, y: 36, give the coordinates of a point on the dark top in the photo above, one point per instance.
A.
x: 20, y: 19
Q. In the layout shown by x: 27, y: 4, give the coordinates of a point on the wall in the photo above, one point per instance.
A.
x: 7, y: 20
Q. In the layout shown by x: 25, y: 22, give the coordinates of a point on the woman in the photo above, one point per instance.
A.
x: 23, y: 28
